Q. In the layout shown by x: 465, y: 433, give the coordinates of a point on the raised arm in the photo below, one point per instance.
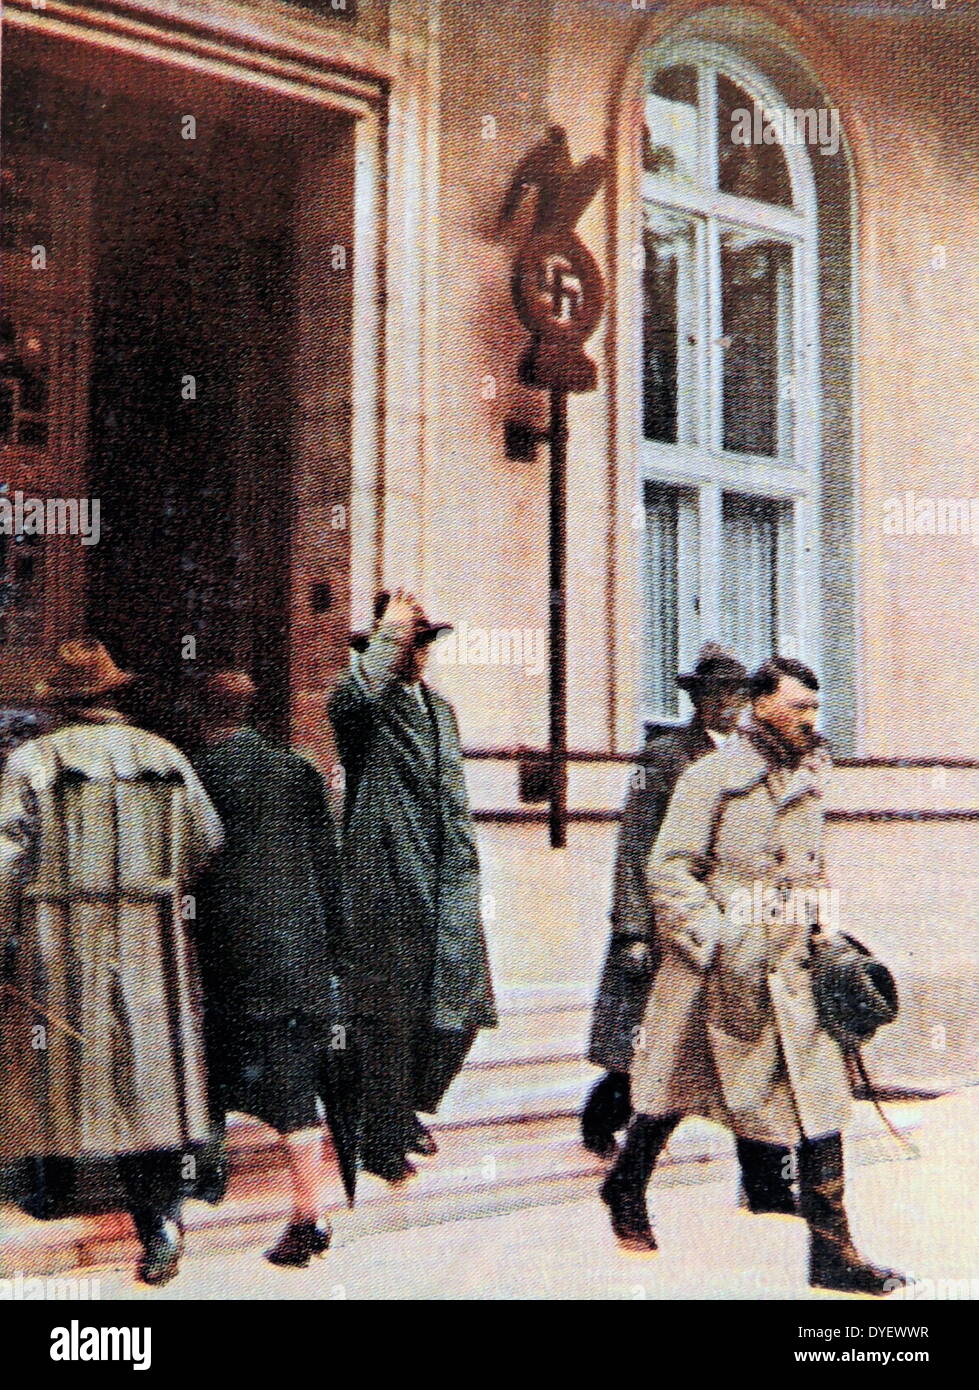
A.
x: 353, y: 703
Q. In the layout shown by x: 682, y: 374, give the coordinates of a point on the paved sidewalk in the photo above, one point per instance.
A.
x: 916, y: 1214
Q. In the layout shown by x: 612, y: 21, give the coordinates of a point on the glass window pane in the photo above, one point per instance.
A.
x: 749, y: 597
x: 756, y: 315
x: 748, y: 170
x: 670, y: 134
x: 669, y: 318
x: 662, y: 589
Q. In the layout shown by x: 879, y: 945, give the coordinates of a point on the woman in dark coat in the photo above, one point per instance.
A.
x: 272, y: 946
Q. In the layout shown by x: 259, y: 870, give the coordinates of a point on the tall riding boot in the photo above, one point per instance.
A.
x: 767, y: 1171
x: 607, y: 1109
x: 834, y: 1261
x: 624, y: 1190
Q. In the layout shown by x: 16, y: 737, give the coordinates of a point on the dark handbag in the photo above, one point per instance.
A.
x: 855, y: 992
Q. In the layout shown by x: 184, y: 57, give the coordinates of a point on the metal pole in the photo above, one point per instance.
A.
x: 558, y: 693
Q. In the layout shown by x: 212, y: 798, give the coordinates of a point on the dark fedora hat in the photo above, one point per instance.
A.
x: 715, y: 666
x: 425, y: 631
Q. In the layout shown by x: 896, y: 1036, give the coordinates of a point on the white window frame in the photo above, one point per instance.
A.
x: 705, y: 468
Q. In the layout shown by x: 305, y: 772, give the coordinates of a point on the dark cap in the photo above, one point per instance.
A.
x: 715, y: 666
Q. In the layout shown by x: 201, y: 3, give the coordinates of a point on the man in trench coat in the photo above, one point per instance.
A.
x: 420, y: 983
x: 717, y: 686
x: 731, y: 1029
x: 103, y: 828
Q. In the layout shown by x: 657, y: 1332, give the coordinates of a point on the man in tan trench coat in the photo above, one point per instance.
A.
x: 731, y: 1030
x: 102, y: 829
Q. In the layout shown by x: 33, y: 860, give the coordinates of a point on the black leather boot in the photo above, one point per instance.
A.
x: 834, y: 1261
x: 624, y: 1190
x: 300, y: 1241
x: 767, y: 1172
x: 163, y: 1245
x: 607, y: 1109
x: 153, y: 1184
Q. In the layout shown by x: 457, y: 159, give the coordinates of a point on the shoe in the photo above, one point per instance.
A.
x: 394, y: 1173
x: 300, y: 1241
x: 834, y: 1261
x: 163, y: 1245
x: 422, y: 1141
x: 839, y: 1266
x: 630, y: 1218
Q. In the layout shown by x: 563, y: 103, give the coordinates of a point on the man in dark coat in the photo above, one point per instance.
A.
x: 420, y: 981
x: 717, y: 689
x: 273, y: 947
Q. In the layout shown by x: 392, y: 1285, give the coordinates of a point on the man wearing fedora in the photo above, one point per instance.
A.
x: 419, y: 982
x: 717, y: 687
x: 103, y: 828
x: 732, y: 1028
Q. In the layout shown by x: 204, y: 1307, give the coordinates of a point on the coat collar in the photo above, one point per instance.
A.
x: 95, y: 714
x: 745, y: 766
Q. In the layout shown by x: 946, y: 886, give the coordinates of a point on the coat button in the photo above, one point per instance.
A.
x: 780, y: 855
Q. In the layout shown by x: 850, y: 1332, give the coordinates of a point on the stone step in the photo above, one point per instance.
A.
x: 535, y: 1035
x: 480, y: 1170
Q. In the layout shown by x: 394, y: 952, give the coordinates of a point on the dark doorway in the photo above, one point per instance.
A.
x: 191, y: 421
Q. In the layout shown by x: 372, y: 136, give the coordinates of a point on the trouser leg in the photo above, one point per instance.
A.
x: 153, y: 1184
x: 767, y: 1173
x: 834, y: 1261
x: 607, y: 1109
x: 388, y: 1096
x: 50, y: 1183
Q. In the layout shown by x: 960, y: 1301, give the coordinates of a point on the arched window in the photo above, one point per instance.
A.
x: 730, y: 388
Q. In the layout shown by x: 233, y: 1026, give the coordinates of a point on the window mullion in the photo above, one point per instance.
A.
x: 711, y: 541
x: 707, y: 124
x: 714, y: 437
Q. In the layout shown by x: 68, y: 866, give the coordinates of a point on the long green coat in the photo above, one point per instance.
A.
x: 411, y: 866
x: 731, y: 1028
x: 102, y: 829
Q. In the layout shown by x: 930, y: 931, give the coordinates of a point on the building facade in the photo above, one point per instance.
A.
x: 258, y: 304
